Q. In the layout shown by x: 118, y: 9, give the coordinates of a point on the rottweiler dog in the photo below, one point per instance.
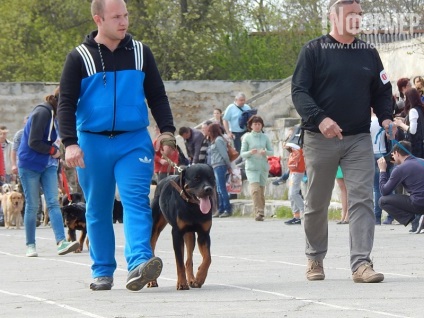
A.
x: 74, y: 218
x: 187, y: 202
x: 75, y: 198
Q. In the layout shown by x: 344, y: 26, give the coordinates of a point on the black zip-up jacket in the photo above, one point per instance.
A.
x: 341, y: 82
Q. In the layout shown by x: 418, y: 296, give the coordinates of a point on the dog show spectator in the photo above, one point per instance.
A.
x: 162, y: 166
x: 193, y: 141
x: 231, y: 119
x: 409, y: 172
x: 255, y: 149
x: 16, y: 142
x: 38, y: 158
x: 2, y: 168
x: 221, y: 166
x: 7, y: 146
x: 296, y: 166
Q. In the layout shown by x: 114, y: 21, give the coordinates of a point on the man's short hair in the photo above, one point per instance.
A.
x: 183, y: 130
x: 405, y: 150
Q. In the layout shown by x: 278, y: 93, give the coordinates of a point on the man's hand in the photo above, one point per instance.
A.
x: 330, y: 129
x: 74, y: 156
x: 382, y: 165
x: 390, y: 128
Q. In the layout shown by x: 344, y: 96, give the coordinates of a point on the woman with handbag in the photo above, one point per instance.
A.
x: 221, y: 165
x: 255, y: 149
x: 413, y: 124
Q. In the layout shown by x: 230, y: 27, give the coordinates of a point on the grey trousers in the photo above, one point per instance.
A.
x: 296, y: 200
x: 356, y: 158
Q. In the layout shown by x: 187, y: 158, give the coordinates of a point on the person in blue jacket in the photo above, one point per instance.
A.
x: 38, y: 158
x: 107, y: 85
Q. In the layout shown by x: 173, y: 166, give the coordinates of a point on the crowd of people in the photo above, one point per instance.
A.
x: 377, y: 167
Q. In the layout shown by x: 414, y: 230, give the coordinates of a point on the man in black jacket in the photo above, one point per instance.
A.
x: 336, y: 80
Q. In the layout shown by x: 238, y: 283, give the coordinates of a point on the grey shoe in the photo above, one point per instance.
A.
x: 102, y: 283
x: 225, y: 215
x: 144, y: 273
x: 420, y: 225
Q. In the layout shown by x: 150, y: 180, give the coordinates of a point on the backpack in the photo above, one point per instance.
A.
x: 296, y: 136
x: 274, y: 166
x: 245, y: 116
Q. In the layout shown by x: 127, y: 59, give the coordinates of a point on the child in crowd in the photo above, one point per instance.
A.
x: 296, y: 165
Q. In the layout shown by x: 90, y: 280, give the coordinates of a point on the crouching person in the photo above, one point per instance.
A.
x: 408, y: 172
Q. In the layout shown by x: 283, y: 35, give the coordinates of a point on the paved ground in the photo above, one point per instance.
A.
x: 258, y: 270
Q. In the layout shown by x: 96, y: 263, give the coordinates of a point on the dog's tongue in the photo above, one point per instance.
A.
x: 205, y: 205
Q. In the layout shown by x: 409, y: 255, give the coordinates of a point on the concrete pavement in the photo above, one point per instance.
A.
x: 258, y: 270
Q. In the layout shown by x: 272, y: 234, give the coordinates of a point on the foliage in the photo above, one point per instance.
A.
x: 191, y: 39
x: 43, y: 32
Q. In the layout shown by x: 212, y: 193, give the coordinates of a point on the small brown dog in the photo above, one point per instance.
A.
x: 12, y: 204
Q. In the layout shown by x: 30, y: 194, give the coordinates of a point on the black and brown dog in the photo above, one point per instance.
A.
x: 186, y: 202
x: 74, y: 219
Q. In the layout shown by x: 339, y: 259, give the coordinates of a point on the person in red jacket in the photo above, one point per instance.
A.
x: 2, y: 167
x: 296, y: 165
x: 162, y: 166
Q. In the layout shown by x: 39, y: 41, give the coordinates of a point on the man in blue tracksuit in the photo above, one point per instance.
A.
x: 103, y: 120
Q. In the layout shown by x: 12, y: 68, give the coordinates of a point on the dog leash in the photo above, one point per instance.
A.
x: 172, y: 164
x: 66, y: 185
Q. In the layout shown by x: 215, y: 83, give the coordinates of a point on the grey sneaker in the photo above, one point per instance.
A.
x: 65, y: 247
x: 226, y: 214
x: 315, y: 270
x: 366, y: 274
x: 144, y: 273
x: 420, y: 225
x: 31, y: 251
x: 102, y: 283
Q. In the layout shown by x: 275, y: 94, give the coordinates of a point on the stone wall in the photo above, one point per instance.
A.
x: 192, y: 101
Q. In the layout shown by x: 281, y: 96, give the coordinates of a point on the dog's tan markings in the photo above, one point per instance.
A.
x: 202, y: 272
x: 207, y: 226
x: 189, y: 239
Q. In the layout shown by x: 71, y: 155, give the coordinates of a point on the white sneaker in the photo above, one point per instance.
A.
x: 31, y: 251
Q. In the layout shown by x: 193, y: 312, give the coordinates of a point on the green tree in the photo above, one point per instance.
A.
x: 37, y: 36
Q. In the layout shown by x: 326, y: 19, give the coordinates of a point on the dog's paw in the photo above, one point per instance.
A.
x: 183, y: 286
x: 195, y: 285
x: 152, y: 284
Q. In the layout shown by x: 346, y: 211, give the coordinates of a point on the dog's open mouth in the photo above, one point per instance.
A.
x: 205, y: 204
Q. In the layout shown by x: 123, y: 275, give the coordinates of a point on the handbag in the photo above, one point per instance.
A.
x: 232, y: 152
x: 234, y: 182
